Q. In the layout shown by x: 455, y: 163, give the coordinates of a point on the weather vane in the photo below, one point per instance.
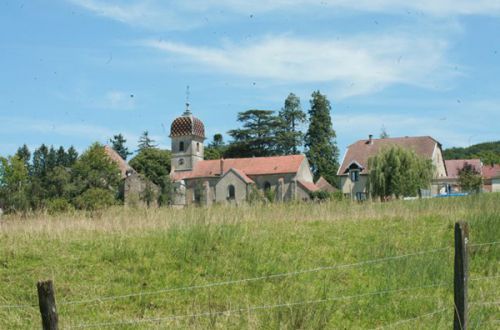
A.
x: 188, y: 111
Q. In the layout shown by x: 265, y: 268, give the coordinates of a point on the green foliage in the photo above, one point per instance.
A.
x: 118, y: 145
x: 321, y: 148
x: 289, y: 136
x: 469, y: 179
x: 58, y: 205
x: 14, y: 183
x: 399, y: 172
x: 95, y: 170
x: 216, y: 148
x: 145, y: 142
x: 257, y: 137
x: 321, y: 195
x: 153, y: 163
x: 95, y: 199
x: 488, y: 152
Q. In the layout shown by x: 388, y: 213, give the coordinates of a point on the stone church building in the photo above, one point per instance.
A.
x: 231, y: 180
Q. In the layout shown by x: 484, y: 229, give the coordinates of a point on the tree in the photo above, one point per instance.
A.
x: 470, y: 179
x: 383, y: 133
x: 24, y: 154
x: 216, y: 148
x: 14, y: 181
x: 154, y: 164
x: 145, y: 142
x: 321, y: 148
x: 398, y: 172
x: 289, y: 136
x: 71, y: 156
x: 118, y: 145
x: 94, y: 169
x: 257, y: 137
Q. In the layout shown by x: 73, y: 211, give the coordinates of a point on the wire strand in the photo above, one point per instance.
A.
x: 254, y: 308
x: 246, y: 280
x: 483, y: 244
x: 411, y: 319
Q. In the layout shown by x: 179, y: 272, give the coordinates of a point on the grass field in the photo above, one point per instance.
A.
x: 128, y: 251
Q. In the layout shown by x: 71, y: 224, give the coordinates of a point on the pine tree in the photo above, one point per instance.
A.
x: 118, y: 145
x: 257, y: 137
x: 71, y: 156
x: 24, y: 154
x: 290, y: 138
x: 146, y: 142
x: 320, y: 144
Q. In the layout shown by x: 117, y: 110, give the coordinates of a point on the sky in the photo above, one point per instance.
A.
x: 77, y: 71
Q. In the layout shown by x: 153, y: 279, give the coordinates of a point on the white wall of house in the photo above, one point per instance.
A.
x: 495, y: 185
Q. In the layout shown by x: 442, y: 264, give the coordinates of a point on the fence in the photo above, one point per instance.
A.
x: 50, y: 317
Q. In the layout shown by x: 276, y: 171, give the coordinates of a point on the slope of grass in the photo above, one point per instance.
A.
x: 143, y: 251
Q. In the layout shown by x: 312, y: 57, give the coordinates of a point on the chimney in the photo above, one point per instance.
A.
x: 370, y: 139
x: 221, y: 166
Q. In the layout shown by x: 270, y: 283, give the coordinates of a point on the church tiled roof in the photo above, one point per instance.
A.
x: 248, y: 166
x: 187, y: 125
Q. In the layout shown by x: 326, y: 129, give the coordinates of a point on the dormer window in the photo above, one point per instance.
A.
x: 354, y: 169
x: 181, y: 146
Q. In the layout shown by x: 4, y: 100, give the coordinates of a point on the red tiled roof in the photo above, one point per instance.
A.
x: 187, y: 125
x: 308, y: 185
x: 118, y: 160
x: 249, y: 166
x: 490, y: 172
x: 242, y: 175
x: 362, y: 150
x: 324, y: 185
x: 453, y: 166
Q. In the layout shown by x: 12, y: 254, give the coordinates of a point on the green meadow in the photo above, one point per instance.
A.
x: 335, y: 265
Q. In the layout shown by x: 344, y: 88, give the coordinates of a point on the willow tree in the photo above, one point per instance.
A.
x: 398, y: 172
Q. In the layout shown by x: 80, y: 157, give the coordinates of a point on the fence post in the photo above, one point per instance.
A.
x: 47, y: 303
x: 461, y: 275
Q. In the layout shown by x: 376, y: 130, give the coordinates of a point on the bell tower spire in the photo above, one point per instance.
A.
x: 187, y: 112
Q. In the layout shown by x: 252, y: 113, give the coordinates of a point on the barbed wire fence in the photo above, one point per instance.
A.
x: 49, y: 315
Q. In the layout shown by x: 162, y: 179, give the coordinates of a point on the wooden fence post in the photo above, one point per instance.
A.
x: 461, y: 275
x: 47, y: 303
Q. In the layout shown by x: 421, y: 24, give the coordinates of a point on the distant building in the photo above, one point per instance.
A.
x: 453, y: 167
x: 491, y: 178
x: 354, y: 170
x: 231, y: 180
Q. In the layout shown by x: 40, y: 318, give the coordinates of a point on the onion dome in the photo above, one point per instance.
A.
x: 187, y: 125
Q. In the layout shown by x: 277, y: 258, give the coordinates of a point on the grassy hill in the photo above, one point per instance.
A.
x: 488, y: 152
x: 159, y: 255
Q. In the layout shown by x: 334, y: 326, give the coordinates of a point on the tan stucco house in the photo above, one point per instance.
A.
x: 491, y: 178
x: 353, y: 172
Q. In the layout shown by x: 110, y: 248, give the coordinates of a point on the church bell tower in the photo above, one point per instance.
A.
x: 187, y: 134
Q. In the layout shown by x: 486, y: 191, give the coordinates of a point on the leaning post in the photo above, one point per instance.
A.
x: 47, y: 303
x: 461, y: 275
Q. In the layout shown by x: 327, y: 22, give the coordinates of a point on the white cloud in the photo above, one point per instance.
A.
x: 149, y: 14
x: 117, y: 100
x: 185, y: 14
x: 355, y: 66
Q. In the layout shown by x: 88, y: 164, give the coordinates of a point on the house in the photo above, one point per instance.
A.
x: 231, y: 180
x: 491, y: 178
x: 354, y: 170
x: 453, y: 167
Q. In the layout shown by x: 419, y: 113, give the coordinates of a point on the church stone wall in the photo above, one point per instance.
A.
x: 230, y: 178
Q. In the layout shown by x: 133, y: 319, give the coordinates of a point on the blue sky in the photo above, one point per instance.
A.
x: 77, y: 71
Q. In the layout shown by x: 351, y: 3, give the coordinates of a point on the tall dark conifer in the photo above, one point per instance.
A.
x: 289, y: 136
x: 321, y: 147
x: 118, y: 145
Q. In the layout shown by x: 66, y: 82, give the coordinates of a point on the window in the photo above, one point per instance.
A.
x: 231, y: 192
x: 197, y: 146
x: 181, y: 146
x: 181, y: 161
x: 354, y: 175
x: 267, y: 186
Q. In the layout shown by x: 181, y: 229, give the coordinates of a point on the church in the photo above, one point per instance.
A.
x: 204, y: 182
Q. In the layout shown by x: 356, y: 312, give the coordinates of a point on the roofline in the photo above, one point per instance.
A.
x: 400, y: 137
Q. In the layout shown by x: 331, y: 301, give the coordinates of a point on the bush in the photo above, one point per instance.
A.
x: 320, y: 195
x: 95, y: 199
x: 58, y: 205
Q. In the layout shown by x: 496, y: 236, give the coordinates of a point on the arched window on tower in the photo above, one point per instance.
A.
x: 197, y: 146
x: 231, y: 192
x: 181, y: 146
